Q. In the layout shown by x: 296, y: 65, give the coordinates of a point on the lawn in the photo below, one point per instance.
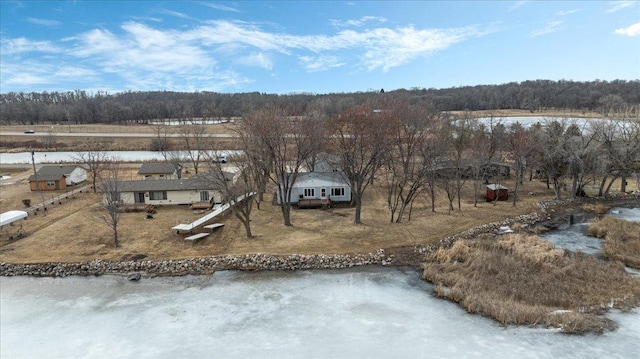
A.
x: 75, y: 231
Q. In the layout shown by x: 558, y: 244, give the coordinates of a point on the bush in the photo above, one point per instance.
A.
x: 622, y: 239
x: 519, y: 279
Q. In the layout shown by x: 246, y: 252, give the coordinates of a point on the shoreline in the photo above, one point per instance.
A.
x: 549, y: 210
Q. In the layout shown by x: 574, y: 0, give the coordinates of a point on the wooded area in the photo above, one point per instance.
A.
x: 80, y: 107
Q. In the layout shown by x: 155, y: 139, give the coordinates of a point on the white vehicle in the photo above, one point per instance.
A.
x: 220, y: 159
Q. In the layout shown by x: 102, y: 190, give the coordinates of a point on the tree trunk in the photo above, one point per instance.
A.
x: 357, y: 219
x: 286, y: 214
x: 602, y: 184
x: 115, y: 236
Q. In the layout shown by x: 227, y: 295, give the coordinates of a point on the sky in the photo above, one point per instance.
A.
x: 316, y: 47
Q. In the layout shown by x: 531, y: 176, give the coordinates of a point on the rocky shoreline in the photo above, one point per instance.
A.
x: 253, y: 262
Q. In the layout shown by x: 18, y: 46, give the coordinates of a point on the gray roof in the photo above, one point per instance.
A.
x: 185, y: 184
x: 335, y: 179
x: 53, y: 173
x: 157, y: 168
x: 46, y: 177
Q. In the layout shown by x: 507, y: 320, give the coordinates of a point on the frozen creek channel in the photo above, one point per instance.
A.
x: 370, y: 312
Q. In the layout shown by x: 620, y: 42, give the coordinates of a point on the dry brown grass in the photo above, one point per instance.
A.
x: 524, y: 280
x: 80, y: 235
x: 596, y: 208
x: 622, y: 239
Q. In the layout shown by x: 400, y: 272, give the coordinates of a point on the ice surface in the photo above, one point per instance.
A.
x: 65, y: 156
x: 358, y: 313
x: 575, y: 239
x: 628, y: 214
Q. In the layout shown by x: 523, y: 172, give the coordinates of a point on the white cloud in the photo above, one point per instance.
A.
x: 619, y: 5
x: 142, y: 48
x: 379, y: 47
x: 567, y: 12
x: 44, y: 22
x: 551, y: 27
x: 21, y: 45
x: 143, y: 57
x: 32, y: 72
x: 633, y: 30
x: 320, y: 63
x: 220, y: 7
x: 174, y: 13
x: 357, y: 23
x: 259, y: 59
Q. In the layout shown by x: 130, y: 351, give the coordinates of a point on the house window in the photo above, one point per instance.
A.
x: 204, y: 196
x: 338, y: 191
x: 309, y: 192
x: 51, y: 183
x: 158, y: 195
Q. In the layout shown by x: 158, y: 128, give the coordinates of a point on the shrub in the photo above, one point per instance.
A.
x: 519, y: 279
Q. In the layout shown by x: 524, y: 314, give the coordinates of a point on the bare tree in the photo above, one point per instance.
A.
x: 483, y: 144
x: 50, y: 139
x: 432, y: 153
x: 553, y: 154
x: 522, y: 146
x: 458, y: 132
x: 285, y: 142
x: 194, y: 140
x: 619, y: 139
x: 360, y: 138
x: 236, y: 189
x: 111, y: 189
x: 95, y: 161
x: 406, y: 171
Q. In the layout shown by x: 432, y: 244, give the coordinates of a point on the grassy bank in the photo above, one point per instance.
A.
x: 622, y: 239
x: 520, y: 279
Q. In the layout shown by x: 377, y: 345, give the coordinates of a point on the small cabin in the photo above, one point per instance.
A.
x: 497, y: 192
x: 52, y: 178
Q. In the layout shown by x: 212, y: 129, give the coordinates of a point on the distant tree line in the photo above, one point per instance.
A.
x: 80, y: 107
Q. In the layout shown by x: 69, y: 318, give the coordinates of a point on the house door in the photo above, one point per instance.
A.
x: 139, y: 197
x: 204, y: 196
x: 323, y: 193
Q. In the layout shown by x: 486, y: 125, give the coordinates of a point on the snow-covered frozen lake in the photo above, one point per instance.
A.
x: 358, y: 313
x: 62, y: 157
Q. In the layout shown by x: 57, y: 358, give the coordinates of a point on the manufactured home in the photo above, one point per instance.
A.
x: 168, y: 192
x: 330, y: 187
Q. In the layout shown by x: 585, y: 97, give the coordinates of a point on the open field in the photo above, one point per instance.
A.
x: 74, y: 231
x: 524, y: 280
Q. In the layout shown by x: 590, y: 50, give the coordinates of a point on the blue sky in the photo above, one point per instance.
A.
x: 316, y: 47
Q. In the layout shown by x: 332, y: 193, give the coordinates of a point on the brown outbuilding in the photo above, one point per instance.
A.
x: 497, y: 192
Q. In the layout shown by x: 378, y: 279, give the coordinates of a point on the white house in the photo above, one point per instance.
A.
x: 331, y: 186
x: 168, y: 192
